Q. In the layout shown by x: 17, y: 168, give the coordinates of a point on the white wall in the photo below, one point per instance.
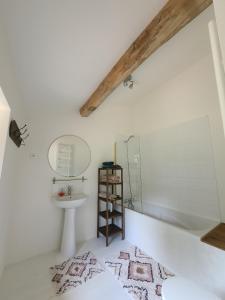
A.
x: 36, y: 222
x: 190, y: 95
x: 13, y: 155
x: 4, y: 125
x: 219, y: 6
x: 178, y: 169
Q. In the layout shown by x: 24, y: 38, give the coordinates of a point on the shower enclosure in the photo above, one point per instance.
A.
x: 128, y: 156
x: 172, y: 176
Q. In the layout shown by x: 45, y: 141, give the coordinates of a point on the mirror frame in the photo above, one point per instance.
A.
x: 73, y: 135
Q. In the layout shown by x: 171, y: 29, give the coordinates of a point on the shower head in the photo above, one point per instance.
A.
x: 130, y: 137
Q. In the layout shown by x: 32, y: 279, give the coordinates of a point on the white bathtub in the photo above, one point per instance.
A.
x: 173, y: 239
x: 194, y: 224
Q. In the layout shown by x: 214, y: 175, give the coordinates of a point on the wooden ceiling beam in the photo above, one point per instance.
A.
x: 172, y: 18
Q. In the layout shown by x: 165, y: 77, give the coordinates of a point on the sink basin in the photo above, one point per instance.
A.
x: 69, y: 204
x: 72, y: 201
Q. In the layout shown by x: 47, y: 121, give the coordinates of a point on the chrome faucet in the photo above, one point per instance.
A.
x: 69, y: 190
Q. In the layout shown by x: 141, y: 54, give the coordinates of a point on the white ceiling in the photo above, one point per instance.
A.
x: 185, y: 49
x: 62, y: 49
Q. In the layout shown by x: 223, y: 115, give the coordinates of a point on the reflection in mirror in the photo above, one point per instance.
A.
x: 69, y: 156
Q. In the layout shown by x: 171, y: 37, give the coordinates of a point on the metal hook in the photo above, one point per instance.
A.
x: 24, y: 138
x: 23, y: 127
x: 22, y: 133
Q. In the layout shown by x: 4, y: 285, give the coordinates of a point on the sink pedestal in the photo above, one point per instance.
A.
x: 70, y: 204
x: 68, y: 246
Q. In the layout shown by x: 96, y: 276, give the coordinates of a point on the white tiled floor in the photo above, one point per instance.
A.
x: 30, y: 280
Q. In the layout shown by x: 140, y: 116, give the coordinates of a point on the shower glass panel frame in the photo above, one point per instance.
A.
x: 128, y: 156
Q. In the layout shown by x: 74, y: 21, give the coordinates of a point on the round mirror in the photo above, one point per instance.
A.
x: 69, y: 155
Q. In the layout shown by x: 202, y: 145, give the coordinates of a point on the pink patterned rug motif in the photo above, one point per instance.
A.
x: 74, y: 272
x: 139, y: 274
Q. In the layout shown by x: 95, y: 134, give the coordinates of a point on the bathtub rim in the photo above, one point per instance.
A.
x: 196, y: 233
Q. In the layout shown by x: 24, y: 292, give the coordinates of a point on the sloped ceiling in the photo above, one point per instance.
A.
x: 61, y: 50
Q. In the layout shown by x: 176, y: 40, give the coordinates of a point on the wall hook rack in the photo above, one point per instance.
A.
x: 17, y: 134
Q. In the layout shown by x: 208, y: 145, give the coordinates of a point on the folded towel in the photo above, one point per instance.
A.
x: 111, y: 181
x: 108, y: 163
x: 110, y: 178
x: 110, y: 196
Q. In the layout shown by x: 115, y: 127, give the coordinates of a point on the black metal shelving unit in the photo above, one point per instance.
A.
x: 113, y: 207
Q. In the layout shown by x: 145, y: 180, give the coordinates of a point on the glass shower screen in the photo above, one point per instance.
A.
x: 128, y: 156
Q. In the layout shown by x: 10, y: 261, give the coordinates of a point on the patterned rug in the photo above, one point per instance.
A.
x: 74, y: 272
x: 139, y: 274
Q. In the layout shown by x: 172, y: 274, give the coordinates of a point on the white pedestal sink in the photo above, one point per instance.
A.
x: 70, y: 204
